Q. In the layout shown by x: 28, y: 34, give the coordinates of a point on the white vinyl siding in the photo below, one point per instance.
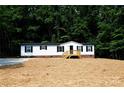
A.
x: 37, y: 50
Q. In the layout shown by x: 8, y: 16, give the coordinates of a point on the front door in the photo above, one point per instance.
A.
x: 71, y: 49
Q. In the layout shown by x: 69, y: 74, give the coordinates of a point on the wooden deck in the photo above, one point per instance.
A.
x: 72, y: 54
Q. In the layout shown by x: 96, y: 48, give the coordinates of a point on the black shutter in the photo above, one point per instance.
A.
x: 46, y: 47
x: 63, y: 48
x: 86, y: 48
x: 60, y: 48
x: 91, y: 48
x: 77, y: 47
x: 40, y: 47
x: 57, y: 48
x: 31, y: 49
x: 25, y: 49
x: 82, y: 48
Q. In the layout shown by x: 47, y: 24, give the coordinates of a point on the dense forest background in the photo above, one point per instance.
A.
x: 102, y: 26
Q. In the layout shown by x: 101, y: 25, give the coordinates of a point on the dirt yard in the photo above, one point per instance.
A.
x: 59, y: 72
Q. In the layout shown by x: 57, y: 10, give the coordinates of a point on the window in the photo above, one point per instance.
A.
x: 60, y: 48
x: 80, y: 48
x: 43, y: 47
x: 28, y: 49
x: 89, y: 48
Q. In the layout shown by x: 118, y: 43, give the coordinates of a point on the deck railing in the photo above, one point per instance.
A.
x: 71, y: 53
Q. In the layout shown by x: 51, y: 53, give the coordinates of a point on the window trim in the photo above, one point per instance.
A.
x: 30, y: 48
x: 60, y: 48
x: 80, y: 48
x: 89, y: 50
x: 43, y: 47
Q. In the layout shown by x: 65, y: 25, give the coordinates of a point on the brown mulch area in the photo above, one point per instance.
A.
x: 62, y: 72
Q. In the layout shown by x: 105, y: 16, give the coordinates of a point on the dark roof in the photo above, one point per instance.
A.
x: 40, y: 44
x: 46, y: 43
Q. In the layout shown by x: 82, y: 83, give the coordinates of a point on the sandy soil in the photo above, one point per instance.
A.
x: 64, y: 72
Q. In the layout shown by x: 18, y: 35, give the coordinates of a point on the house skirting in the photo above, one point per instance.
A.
x: 60, y: 56
x: 87, y: 56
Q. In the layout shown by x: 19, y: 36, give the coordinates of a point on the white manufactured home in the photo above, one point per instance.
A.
x: 57, y: 50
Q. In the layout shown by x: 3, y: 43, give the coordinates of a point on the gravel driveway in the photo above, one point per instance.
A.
x: 11, y: 61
